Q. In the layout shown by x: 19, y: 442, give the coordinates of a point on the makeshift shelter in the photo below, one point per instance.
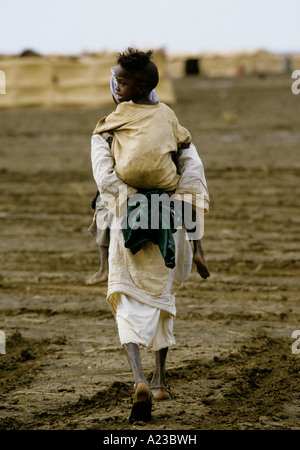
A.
x: 209, y: 64
x: 75, y: 81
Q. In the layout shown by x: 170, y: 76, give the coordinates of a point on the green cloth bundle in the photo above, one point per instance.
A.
x: 152, y: 220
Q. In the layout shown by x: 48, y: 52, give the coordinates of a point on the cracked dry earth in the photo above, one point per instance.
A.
x: 233, y: 367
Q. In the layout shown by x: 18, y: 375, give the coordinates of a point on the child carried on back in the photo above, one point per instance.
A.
x: 146, y: 133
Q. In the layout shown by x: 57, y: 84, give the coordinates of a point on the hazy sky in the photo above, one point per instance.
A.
x: 72, y: 26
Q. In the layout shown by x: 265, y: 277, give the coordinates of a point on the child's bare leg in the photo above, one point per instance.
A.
x: 199, y: 259
x: 102, y: 275
x: 158, y: 383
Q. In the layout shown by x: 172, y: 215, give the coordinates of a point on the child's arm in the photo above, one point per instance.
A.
x: 103, y: 166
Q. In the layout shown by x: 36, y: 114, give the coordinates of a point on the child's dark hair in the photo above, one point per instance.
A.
x: 141, y: 65
x: 134, y: 60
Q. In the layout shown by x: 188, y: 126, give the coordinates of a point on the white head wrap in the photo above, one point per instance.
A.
x: 113, y: 83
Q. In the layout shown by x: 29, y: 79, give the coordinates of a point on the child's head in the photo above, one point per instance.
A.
x: 136, y: 75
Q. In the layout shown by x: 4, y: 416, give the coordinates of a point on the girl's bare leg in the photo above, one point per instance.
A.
x: 142, y: 390
x: 158, y: 383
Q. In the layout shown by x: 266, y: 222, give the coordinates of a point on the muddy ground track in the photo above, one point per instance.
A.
x: 252, y: 390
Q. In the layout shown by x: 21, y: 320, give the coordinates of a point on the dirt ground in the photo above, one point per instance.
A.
x: 233, y: 367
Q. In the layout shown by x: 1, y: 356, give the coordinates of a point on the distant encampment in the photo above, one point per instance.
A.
x: 83, y: 80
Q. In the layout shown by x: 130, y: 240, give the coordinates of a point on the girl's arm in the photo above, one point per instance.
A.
x: 192, y: 176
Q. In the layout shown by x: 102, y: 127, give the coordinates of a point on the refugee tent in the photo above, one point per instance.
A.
x: 231, y: 64
x: 294, y: 61
x: 58, y: 81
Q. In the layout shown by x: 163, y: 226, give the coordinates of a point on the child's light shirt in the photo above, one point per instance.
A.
x: 145, y: 136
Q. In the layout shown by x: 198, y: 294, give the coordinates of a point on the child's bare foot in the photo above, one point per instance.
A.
x: 199, y: 260
x: 99, y: 277
x: 102, y: 275
x: 202, y: 267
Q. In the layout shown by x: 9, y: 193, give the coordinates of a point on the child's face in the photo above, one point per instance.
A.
x: 127, y: 88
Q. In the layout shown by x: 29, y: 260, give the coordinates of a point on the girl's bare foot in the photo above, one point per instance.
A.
x: 160, y: 392
x: 142, y: 404
x: 142, y: 392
